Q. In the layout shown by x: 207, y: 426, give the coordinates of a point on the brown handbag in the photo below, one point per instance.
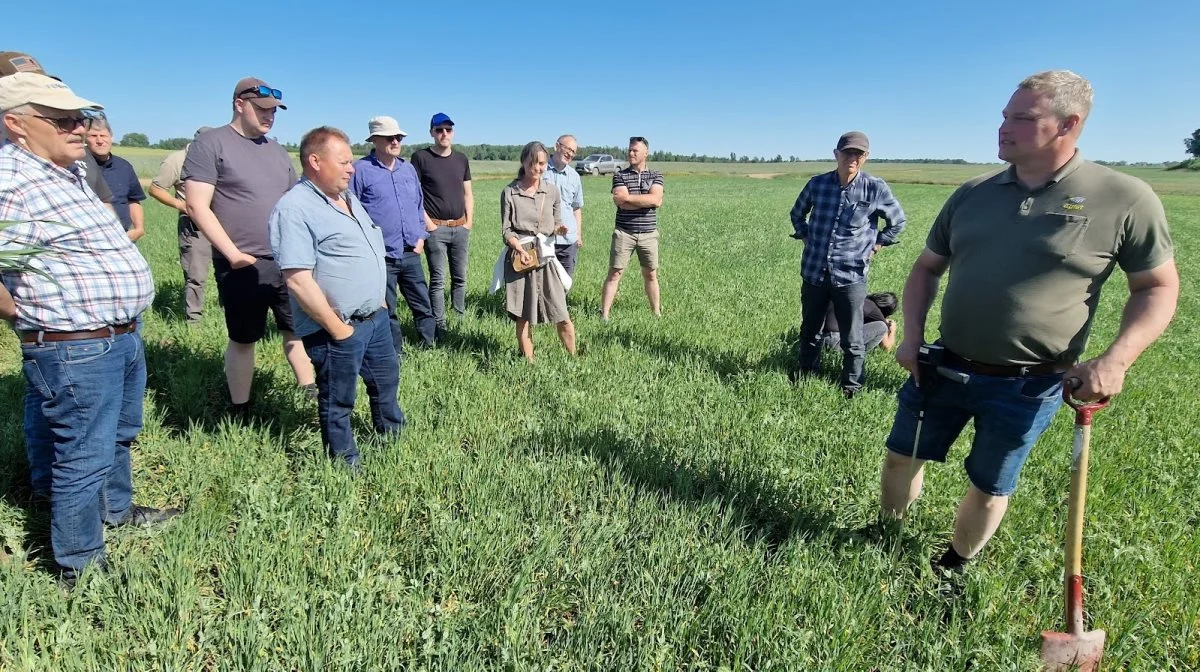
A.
x: 532, y: 248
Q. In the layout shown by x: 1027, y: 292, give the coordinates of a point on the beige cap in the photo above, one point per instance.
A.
x: 383, y: 126
x: 23, y: 88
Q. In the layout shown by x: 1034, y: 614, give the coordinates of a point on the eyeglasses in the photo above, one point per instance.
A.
x: 638, y: 138
x: 64, y: 124
x: 262, y: 91
x: 444, y: 129
x: 394, y: 138
x: 568, y: 150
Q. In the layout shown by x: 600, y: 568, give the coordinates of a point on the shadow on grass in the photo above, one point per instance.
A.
x: 189, y: 385
x: 168, y: 301
x: 15, y: 489
x: 488, y: 303
x: 761, y: 509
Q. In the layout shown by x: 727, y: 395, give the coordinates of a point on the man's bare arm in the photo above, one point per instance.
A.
x: 303, y: 287
x: 163, y: 196
x: 627, y: 201
x: 137, y: 217
x: 469, y: 197
x: 199, y: 209
x: 919, y: 292
x: 1153, y: 296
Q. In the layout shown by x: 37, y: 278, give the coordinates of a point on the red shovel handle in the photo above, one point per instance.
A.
x: 1083, y: 409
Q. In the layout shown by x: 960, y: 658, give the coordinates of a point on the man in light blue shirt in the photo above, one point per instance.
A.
x: 332, y: 257
x: 560, y: 173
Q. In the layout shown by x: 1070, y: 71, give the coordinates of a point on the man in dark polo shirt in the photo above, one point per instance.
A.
x: 637, y: 192
x: 390, y: 191
x: 1028, y: 250
x: 121, y: 178
x: 234, y: 175
x: 12, y: 62
x: 449, y: 215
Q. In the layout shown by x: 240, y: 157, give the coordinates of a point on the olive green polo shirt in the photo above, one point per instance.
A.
x: 1026, y: 267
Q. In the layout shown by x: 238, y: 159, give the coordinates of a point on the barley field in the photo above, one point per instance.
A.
x: 664, y: 501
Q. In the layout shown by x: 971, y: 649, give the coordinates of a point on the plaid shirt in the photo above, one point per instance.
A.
x: 840, y: 226
x: 99, y: 277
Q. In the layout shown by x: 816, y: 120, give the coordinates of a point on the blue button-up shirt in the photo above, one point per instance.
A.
x: 345, y: 252
x: 840, y: 226
x: 570, y: 188
x: 394, y: 200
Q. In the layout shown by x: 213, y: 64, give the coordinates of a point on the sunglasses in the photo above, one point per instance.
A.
x: 444, y: 129
x: 65, y: 124
x: 393, y: 138
x: 261, y: 91
x: 638, y: 138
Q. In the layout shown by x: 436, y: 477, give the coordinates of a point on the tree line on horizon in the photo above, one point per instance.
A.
x: 488, y: 152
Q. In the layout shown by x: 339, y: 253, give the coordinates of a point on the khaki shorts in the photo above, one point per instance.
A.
x: 624, y: 244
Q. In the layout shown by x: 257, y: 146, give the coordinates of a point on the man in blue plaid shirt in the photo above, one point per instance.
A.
x: 837, y: 215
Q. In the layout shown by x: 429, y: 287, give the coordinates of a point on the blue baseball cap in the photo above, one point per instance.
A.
x: 439, y: 119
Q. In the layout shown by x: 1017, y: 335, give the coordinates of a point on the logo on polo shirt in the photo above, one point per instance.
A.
x: 1074, y: 203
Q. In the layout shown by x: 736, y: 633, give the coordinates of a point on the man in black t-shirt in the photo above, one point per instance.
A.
x: 878, y: 330
x: 445, y: 176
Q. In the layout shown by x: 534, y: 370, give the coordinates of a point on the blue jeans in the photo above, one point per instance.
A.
x: 369, y: 352
x: 847, y: 309
x: 447, y: 243
x: 83, y: 410
x: 1009, y: 414
x: 408, y: 275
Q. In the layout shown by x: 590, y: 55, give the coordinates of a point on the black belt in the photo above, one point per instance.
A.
x: 1005, y: 371
x: 363, y: 318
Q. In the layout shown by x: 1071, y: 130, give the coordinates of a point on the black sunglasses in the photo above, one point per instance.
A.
x: 638, y: 138
x: 393, y: 138
x: 65, y: 124
x: 444, y: 129
x: 262, y: 91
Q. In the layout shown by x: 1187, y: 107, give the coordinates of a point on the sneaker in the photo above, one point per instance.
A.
x: 145, y: 516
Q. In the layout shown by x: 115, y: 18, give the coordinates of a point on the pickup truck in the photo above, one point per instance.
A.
x: 599, y: 164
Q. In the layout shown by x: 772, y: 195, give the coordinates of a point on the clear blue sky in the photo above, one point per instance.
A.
x: 761, y: 78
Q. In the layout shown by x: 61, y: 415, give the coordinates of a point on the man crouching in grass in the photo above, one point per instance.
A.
x: 332, y: 257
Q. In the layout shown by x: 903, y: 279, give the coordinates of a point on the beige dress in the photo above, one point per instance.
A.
x: 536, y: 295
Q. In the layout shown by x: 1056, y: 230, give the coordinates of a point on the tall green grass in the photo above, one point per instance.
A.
x: 664, y: 501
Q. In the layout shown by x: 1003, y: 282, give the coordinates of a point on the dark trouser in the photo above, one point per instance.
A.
x: 873, y: 333
x: 195, y: 256
x: 847, y: 309
x: 408, y: 274
x: 447, y: 243
x: 85, y: 403
x: 368, y: 352
x: 566, y: 256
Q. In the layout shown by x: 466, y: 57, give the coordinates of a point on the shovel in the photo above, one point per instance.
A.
x: 1075, y: 649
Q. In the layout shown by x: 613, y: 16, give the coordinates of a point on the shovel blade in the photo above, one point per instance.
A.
x: 1072, y: 651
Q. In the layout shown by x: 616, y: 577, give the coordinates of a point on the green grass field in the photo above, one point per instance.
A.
x: 664, y: 501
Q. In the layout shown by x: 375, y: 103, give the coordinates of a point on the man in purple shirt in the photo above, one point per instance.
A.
x: 390, y: 191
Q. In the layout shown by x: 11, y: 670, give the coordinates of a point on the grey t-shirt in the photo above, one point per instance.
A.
x: 250, y: 176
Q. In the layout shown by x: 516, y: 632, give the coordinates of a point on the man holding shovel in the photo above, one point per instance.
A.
x: 1028, y: 250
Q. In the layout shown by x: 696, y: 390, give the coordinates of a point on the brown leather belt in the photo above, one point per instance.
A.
x: 1009, y: 371
x: 103, y: 332
x: 461, y: 221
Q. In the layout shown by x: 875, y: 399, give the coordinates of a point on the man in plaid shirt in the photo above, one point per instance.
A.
x: 837, y: 216
x: 76, y: 319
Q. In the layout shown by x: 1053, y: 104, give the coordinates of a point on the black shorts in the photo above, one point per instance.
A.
x: 247, y: 293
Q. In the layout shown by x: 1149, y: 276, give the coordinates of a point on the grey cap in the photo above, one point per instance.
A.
x: 854, y: 140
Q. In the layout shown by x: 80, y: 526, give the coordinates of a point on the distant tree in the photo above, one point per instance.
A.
x: 1193, y: 143
x: 135, y: 140
x: 171, y: 143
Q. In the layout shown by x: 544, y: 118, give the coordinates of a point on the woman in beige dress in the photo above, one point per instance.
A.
x: 529, y: 216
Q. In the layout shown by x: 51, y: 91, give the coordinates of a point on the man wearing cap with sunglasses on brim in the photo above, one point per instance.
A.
x: 637, y: 192
x: 76, y: 317
x: 837, y: 216
x: 195, y: 252
x: 390, y: 191
x: 12, y: 62
x: 449, y: 215
x: 234, y: 176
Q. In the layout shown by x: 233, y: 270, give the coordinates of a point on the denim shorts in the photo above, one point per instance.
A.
x: 1009, y: 415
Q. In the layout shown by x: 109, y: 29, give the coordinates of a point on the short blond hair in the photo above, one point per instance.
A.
x: 1069, y: 93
